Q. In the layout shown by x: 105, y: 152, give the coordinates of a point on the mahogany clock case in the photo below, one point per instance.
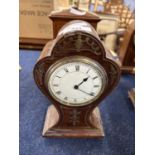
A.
x: 69, y: 121
x: 60, y: 18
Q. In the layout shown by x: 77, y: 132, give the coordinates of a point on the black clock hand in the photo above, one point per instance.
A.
x: 76, y: 87
x: 91, y: 94
x: 84, y: 80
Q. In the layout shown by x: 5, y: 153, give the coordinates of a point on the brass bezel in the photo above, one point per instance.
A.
x: 70, y: 59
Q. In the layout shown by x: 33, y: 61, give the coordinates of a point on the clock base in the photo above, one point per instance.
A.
x: 51, y: 131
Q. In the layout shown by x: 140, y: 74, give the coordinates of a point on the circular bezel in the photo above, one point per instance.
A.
x: 94, y: 64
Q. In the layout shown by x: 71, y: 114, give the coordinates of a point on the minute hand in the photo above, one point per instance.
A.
x: 91, y: 94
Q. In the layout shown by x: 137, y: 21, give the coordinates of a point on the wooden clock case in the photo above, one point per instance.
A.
x: 60, y: 18
x: 68, y: 121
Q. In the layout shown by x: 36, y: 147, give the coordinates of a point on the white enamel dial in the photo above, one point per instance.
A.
x: 76, y: 83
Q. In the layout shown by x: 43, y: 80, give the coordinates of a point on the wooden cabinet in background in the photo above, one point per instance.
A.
x: 127, y: 49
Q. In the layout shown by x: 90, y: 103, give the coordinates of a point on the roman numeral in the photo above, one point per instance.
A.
x: 58, y: 92
x: 58, y: 76
x: 55, y: 85
x: 95, y: 77
x: 92, y: 93
x: 77, y: 67
x: 96, y: 86
x: 66, y: 98
x: 66, y: 70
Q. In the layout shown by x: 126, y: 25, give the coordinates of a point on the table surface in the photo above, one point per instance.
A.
x: 117, y: 113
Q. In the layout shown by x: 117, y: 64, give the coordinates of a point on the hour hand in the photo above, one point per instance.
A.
x: 84, y: 80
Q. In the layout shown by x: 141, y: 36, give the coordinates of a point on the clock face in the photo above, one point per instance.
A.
x: 76, y: 81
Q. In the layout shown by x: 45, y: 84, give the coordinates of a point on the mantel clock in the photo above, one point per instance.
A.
x: 74, y: 73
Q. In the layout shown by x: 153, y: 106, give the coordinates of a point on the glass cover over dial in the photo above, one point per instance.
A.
x: 76, y: 82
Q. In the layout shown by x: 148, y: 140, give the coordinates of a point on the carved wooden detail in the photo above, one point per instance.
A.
x: 79, y: 42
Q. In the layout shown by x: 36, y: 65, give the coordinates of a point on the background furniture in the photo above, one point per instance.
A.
x: 108, y: 24
x: 113, y: 7
x: 34, y: 25
x: 117, y: 30
x: 124, y: 54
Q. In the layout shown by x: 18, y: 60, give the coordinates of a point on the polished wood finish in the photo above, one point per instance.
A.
x: 68, y: 121
x: 95, y: 119
x: 32, y: 43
